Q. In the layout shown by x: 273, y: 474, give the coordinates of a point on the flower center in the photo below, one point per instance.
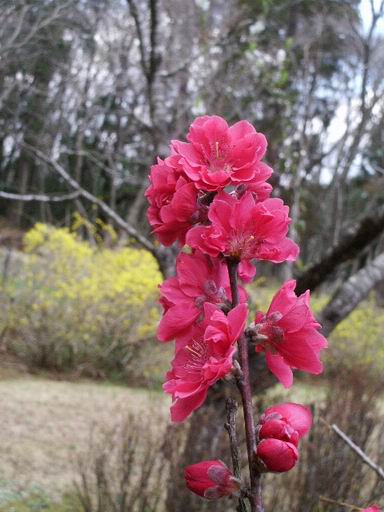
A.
x: 243, y: 245
x: 211, y: 294
x: 198, y: 355
x: 273, y: 334
x: 218, y: 158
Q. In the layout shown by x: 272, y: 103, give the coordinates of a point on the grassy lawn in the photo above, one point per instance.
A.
x: 46, y: 424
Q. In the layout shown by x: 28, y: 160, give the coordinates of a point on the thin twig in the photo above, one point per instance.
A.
x: 340, y: 503
x: 363, y: 456
x: 230, y: 427
x: 244, y: 385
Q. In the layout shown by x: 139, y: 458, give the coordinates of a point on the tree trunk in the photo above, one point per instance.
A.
x: 351, y: 293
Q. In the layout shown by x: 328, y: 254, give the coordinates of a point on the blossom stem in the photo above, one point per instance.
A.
x: 244, y: 385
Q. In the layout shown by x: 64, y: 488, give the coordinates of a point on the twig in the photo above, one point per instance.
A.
x: 363, y: 456
x: 340, y: 503
x: 244, y: 385
x: 230, y: 427
x: 93, y: 199
x: 42, y: 198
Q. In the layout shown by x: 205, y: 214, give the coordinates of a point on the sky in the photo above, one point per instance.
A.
x: 365, y: 9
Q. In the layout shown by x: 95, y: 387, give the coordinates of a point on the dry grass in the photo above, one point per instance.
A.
x: 46, y: 424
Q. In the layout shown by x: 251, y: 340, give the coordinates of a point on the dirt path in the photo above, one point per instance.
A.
x: 45, y: 424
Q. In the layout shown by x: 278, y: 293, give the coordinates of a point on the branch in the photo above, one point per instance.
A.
x: 42, y: 198
x: 363, y: 456
x: 244, y: 385
x: 349, y: 247
x: 230, y: 427
x: 340, y: 503
x: 94, y: 200
x: 351, y: 293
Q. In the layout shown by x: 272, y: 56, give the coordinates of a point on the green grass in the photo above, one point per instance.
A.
x: 39, y: 502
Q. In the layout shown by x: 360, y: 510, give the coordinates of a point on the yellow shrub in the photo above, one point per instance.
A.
x: 76, y: 304
x: 358, y: 340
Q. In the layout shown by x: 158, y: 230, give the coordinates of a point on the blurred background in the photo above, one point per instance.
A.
x: 90, y: 92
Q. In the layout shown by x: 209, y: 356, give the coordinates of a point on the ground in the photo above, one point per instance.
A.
x: 47, y: 423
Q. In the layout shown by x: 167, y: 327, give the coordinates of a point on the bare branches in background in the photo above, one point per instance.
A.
x: 101, y: 86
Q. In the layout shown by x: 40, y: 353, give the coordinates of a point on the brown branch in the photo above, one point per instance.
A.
x: 244, y: 385
x: 42, y: 198
x: 363, y: 456
x: 94, y: 200
x: 351, y: 293
x: 230, y: 427
x: 348, y: 248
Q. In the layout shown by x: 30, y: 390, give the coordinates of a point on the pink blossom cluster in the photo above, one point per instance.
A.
x: 211, y: 196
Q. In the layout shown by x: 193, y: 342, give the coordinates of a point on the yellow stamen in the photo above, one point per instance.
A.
x: 193, y: 351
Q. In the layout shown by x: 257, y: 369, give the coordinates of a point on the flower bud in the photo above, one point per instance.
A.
x: 296, y: 416
x: 278, y: 429
x: 211, y: 479
x: 277, y: 456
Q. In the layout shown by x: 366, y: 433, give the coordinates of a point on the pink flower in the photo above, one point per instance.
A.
x: 258, y: 186
x: 173, y: 201
x: 204, y: 359
x: 243, y: 229
x: 277, y: 456
x: 211, y: 479
x: 288, y: 333
x: 218, y: 155
x: 200, y: 279
x: 287, y: 422
x: 372, y: 508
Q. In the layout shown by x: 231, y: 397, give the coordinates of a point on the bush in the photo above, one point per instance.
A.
x: 357, y: 342
x: 124, y: 469
x: 74, y: 306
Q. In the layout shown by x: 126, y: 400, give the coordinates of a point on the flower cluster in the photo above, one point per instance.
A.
x: 211, y: 196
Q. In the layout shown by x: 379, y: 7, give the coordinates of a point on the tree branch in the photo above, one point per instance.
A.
x: 351, y: 293
x: 42, y: 198
x: 230, y: 427
x: 244, y: 385
x: 349, y: 247
x: 340, y: 503
x: 363, y: 456
x: 94, y: 200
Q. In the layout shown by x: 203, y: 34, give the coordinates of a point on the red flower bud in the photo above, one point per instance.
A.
x: 277, y: 456
x: 211, y: 479
x: 278, y: 429
x: 296, y: 416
